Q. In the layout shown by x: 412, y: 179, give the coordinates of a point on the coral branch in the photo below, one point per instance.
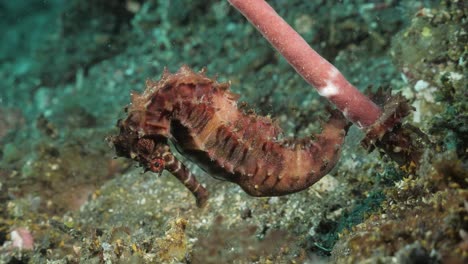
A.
x: 316, y: 70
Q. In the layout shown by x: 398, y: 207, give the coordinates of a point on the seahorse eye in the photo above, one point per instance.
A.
x: 156, y: 165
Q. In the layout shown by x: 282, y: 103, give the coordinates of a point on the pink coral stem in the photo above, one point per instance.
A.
x: 316, y: 70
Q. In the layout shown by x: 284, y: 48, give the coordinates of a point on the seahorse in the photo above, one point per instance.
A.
x: 201, y: 118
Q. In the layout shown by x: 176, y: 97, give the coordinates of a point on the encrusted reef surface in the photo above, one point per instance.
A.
x: 67, y: 71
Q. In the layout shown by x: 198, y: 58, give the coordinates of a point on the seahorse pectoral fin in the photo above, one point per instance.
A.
x: 174, y: 166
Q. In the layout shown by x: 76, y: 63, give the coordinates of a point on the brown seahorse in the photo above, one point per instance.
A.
x: 201, y: 118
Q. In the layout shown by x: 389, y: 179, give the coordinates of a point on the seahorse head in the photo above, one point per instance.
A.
x: 146, y: 150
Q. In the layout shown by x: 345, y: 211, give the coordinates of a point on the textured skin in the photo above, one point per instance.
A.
x: 200, y: 116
